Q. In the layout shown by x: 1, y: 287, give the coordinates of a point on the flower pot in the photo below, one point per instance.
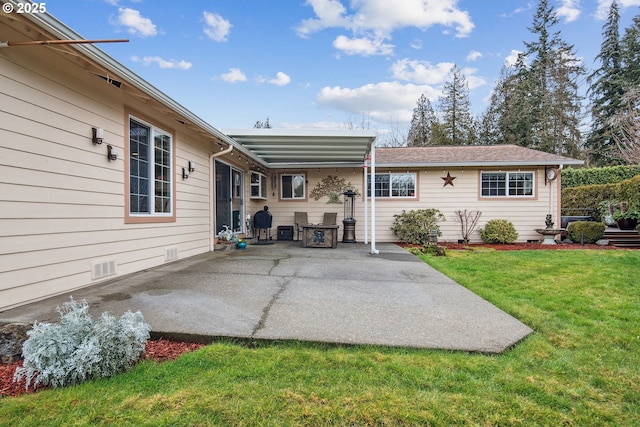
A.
x: 627, y: 223
x: 241, y: 245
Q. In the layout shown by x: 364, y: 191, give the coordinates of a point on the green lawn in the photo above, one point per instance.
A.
x: 581, y: 367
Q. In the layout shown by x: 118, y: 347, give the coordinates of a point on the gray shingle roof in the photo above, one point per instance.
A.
x: 476, y: 155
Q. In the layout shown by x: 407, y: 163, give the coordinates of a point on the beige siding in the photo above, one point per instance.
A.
x: 61, y: 199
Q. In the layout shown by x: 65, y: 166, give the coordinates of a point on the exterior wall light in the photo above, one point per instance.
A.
x: 111, y: 153
x: 98, y: 135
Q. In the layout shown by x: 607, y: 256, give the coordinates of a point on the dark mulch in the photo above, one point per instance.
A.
x: 156, y: 350
x: 515, y: 246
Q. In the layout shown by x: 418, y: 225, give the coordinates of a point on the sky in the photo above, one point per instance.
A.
x: 324, y: 64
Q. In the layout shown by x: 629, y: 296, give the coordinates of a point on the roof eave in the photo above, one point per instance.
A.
x: 62, y: 32
x: 481, y: 164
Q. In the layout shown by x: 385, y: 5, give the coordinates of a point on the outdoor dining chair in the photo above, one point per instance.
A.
x: 329, y: 218
x: 299, y: 220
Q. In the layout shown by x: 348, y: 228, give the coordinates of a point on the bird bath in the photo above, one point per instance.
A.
x: 549, y: 233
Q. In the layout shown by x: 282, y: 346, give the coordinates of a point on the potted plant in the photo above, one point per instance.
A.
x: 627, y: 217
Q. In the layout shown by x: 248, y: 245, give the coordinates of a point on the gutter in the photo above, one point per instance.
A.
x: 211, y: 198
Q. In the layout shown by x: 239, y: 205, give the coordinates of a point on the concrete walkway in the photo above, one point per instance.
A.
x: 283, y: 291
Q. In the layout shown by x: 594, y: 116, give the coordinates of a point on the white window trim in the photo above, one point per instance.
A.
x: 304, y: 186
x: 260, y: 185
x: 151, y: 175
x: 391, y: 196
x: 507, y: 195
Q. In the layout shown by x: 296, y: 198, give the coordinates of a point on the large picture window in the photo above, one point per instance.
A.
x: 292, y: 186
x: 507, y: 184
x: 393, y: 185
x: 150, y: 170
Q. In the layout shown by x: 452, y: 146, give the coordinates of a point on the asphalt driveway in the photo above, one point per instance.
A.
x: 285, y: 292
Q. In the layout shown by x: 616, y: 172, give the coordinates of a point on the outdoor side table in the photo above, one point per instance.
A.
x: 320, y: 236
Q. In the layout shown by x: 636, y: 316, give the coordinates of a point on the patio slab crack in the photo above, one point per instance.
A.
x: 267, y: 308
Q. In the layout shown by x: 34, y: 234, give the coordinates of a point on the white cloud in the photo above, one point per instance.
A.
x: 135, y: 23
x: 421, y: 72
x: 216, y: 27
x: 474, y: 55
x: 162, y: 63
x: 570, y: 10
x: 512, y: 58
x: 603, y: 7
x: 234, y: 75
x: 281, y: 79
x: 380, y: 100
x: 373, y: 21
x: 362, y: 46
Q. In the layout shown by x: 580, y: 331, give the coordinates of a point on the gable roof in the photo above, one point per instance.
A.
x: 469, y: 155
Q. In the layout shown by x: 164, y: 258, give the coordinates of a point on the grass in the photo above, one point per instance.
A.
x: 581, y: 366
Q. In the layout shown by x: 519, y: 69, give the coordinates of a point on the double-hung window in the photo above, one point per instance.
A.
x: 150, y: 170
x: 507, y: 184
x: 292, y: 186
x: 393, y: 185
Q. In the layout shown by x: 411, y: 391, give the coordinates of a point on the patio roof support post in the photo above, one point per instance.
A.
x: 365, y: 167
x: 211, y: 197
x: 373, y: 199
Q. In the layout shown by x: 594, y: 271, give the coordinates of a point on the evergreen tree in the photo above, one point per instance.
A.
x: 458, y: 124
x: 262, y: 125
x: 551, y: 104
x: 605, y: 91
x: 423, y: 124
x: 630, y: 53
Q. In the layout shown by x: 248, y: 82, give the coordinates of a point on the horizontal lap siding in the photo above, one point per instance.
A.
x: 62, y: 200
x: 525, y: 214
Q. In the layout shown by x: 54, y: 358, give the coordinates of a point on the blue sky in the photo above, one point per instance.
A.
x: 323, y: 63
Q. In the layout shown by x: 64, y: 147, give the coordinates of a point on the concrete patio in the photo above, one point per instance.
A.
x: 282, y: 291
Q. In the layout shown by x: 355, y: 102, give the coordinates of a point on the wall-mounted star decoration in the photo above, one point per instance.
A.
x: 448, y: 179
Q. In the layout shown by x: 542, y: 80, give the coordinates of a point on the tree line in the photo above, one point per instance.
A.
x: 536, y: 102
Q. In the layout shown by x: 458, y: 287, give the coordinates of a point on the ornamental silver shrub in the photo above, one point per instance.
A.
x: 77, y: 348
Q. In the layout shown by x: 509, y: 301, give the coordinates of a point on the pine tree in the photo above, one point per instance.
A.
x: 630, y: 53
x: 605, y: 91
x: 423, y: 124
x: 551, y: 104
x: 262, y: 125
x: 458, y: 124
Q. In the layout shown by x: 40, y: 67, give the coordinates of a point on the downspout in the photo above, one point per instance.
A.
x: 211, y: 204
x: 373, y: 199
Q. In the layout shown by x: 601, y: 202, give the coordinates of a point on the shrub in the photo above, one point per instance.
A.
x: 413, y: 226
x: 591, y: 231
x: 498, y: 231
x: 78, y: 348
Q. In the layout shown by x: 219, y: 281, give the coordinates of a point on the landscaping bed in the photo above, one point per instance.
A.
x: 157, y: 350
x: 513, y: 246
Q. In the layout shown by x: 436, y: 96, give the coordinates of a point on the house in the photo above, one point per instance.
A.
x: 102, y: 174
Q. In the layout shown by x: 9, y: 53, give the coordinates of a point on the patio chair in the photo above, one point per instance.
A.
x: 299, y: 221
x: 329, y: 218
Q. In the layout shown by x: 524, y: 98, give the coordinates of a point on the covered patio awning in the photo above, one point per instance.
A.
x: 294, y: 148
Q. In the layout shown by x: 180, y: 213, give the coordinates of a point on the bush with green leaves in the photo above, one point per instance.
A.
x: 77, y: 348
x: 585, y: 231
x: 499, y: 231
x: 413, y: 226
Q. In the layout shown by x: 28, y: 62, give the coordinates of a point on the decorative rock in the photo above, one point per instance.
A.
x: 12, y: 336
x: 602, y: 242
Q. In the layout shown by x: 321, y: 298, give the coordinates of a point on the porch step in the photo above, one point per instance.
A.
x: 622, y: 238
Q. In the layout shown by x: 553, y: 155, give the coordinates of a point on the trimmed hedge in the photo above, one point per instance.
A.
x: 586, y: 199
x: 595, y: 176
x: 590, y: 231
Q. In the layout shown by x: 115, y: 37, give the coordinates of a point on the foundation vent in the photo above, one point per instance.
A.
x: 103, y: 269
x: 170, y: 254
